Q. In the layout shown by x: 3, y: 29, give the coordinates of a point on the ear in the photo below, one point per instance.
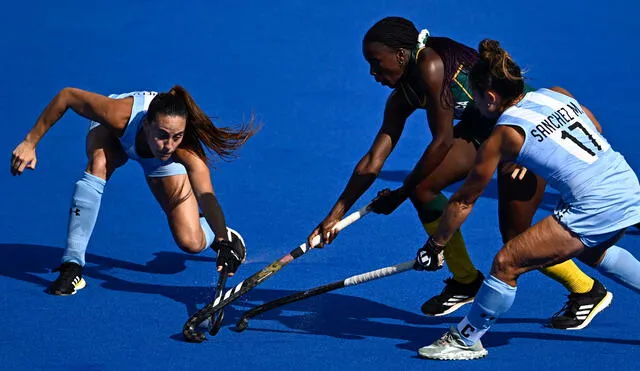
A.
x: 402, y: 57
x: 492, y: 97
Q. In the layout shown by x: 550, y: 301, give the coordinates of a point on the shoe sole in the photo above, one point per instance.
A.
x: 475, y: 355
x: 81, y: 285
x: 602, y: 305
x: 452, y: 309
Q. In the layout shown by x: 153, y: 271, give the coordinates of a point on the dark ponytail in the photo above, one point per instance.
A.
x: 496, y: 71
x: 200, y: 130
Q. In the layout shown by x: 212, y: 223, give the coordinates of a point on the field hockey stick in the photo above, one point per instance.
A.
x: 216, y: 318
x: 189, y: 329
x: 351, y: 281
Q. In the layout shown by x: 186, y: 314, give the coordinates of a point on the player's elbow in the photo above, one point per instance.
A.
x: 370, y: 165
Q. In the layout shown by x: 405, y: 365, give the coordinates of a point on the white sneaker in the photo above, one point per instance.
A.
x: 450, y: 347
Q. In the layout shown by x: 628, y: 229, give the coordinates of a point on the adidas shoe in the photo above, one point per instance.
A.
x: 450, y: 347
x: 69, y: 281
x: 454, y: 295
x: 580, y: 309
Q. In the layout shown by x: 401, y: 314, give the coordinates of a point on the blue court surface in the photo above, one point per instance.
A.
x: 298, y: 66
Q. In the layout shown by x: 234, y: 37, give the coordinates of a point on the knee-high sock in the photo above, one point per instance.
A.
x: 85, y: 205
x: 622, y: 267
x: 570, y: 276
x: 494, y: 298
x: 455, y: 254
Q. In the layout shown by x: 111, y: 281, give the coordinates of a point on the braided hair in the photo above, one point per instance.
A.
x: 401, y: 33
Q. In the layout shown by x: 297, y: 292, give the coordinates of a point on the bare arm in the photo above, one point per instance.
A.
x: 585, y: 109
x: 440, y: 120
x: 366, y: 171
x: 200, y: 179
x: 113, y: 113
x: 462, y: 201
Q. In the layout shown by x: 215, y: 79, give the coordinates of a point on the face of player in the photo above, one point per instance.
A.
x: 384, y: 63
x: 164, y: 135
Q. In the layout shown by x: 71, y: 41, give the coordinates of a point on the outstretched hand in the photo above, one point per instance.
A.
x: 23, y: 157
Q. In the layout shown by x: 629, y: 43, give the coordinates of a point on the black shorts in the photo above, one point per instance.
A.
x: 473, y: 127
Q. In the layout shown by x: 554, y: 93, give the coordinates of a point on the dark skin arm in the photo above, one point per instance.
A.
x: 113, y: 113
x: 440, y: 122
x: 397, y: 110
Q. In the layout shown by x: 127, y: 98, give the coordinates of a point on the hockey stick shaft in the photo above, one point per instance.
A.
x: 350, y: 281
x: 217, y: 317
x: 189, y: 329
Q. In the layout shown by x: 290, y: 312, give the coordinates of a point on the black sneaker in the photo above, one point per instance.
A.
x: 580, y: 309
x: 454, y: 295
x: 69, y: 281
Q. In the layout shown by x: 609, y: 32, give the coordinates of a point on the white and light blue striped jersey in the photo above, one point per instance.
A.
x: 152, y: 167
x: 562, y: 145
x: 600, y: 192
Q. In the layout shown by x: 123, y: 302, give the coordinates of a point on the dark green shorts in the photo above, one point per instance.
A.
x: 473, y: 127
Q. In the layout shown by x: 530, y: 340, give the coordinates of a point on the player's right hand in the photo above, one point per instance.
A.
x: 23, y: 157
x: 326, y: 232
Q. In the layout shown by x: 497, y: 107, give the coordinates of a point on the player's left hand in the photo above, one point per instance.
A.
x: 429, y: 257
x: 230, y: 253
x: 387, y: 200
x: 517, y: 172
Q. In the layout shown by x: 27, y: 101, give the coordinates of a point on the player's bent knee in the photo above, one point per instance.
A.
x: 423, y: 194
x: 504, y: 266
x: 98, y: 165
x: 190, y: 243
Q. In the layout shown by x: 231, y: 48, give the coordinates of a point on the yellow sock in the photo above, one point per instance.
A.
x: 570, y: 276
x: 456, y: 255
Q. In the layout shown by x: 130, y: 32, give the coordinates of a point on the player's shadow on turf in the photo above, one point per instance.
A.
x: 548, y: 203
x: 355, y: 318
x: 25, y: 262
x: 331, y: 314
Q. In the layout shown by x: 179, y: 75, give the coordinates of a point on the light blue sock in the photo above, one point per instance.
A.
x: 494, y: 298
x: 85, y: 205
x: 622, y: 267
x: 209, y: 236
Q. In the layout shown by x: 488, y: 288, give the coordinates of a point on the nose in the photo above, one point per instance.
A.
x: 168, y: 146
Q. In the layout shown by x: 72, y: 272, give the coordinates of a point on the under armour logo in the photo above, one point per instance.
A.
x: 76, y: 211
